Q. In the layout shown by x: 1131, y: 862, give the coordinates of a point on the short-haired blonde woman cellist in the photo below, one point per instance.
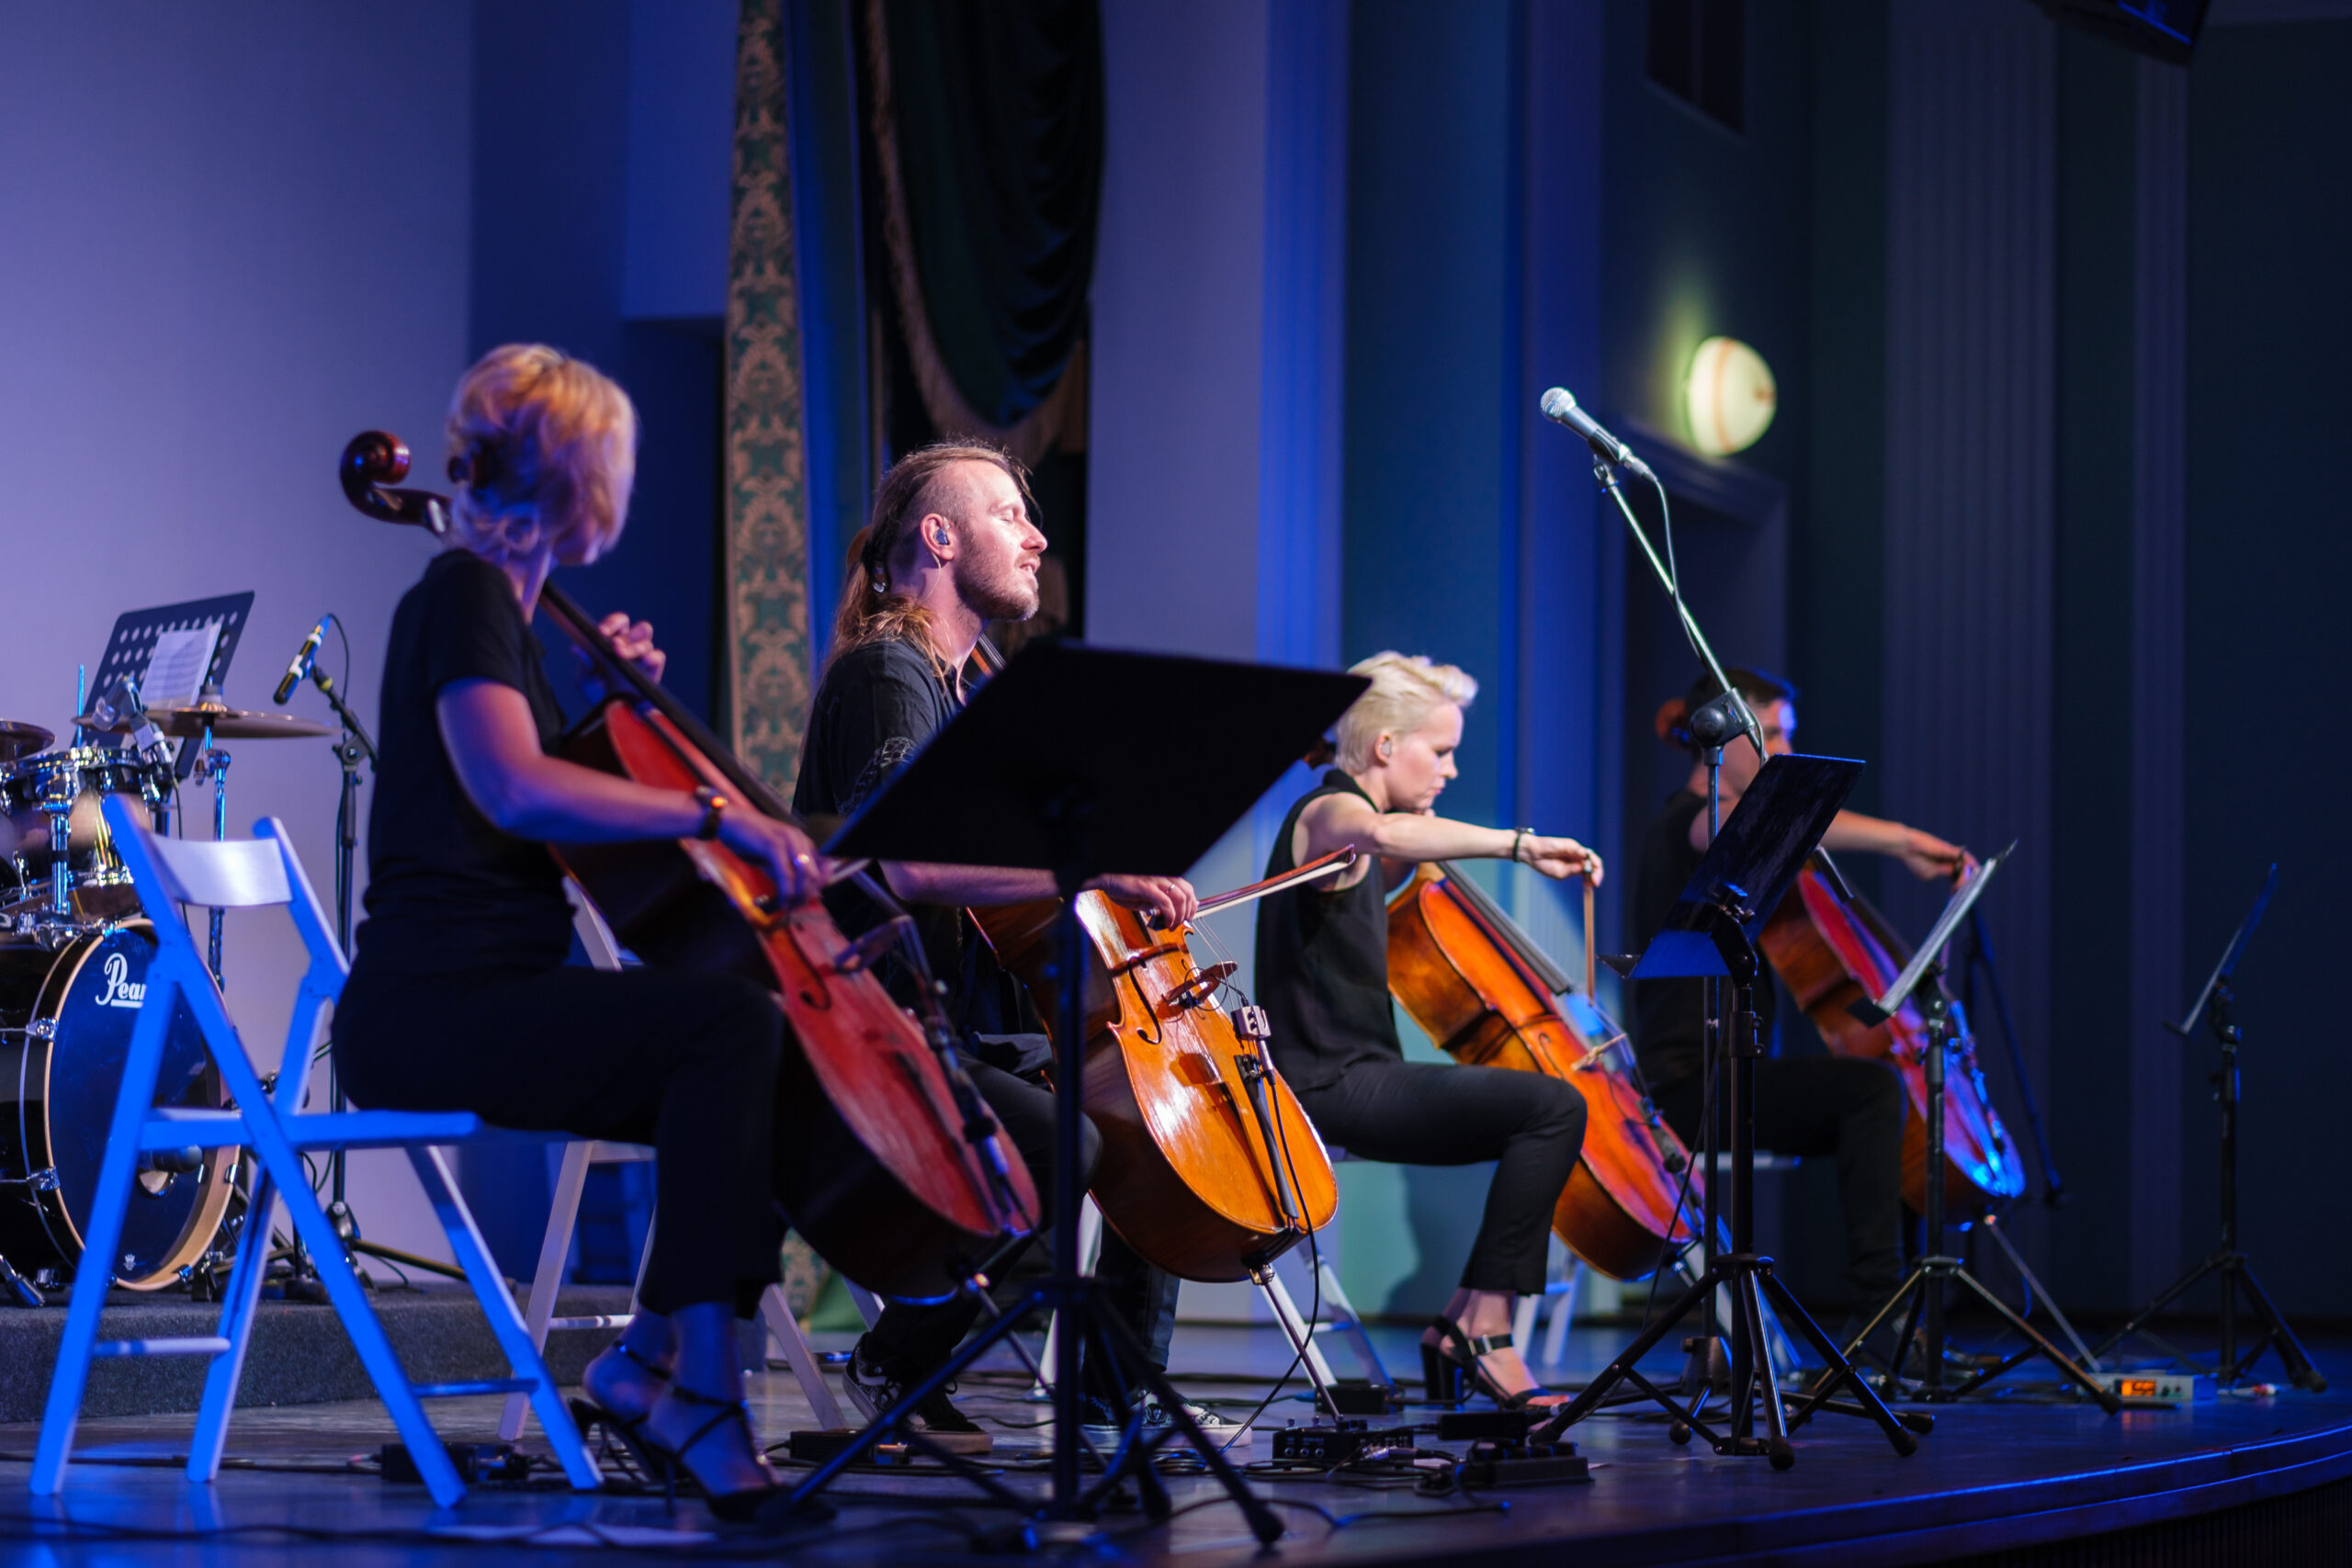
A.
x: 1322, y: 974
x: 459, y: 998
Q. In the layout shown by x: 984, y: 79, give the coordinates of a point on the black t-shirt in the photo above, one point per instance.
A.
x: 876, y: 708
x: 1669, y: 1016
x: 1322, y: 966
x: 446, y: 889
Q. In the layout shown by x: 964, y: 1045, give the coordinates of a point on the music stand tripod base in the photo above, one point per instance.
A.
x: 2216, y: 1002
x: 1036, y: 773
x: 1710, y: 931
x: 1925, y: 1287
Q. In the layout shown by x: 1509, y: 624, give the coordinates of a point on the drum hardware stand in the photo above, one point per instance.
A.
x: 22, y: 1290
x: 1780, y: 817
x: 2217, y: 1002
x: 1924, y: 1288
x: 214, y: 761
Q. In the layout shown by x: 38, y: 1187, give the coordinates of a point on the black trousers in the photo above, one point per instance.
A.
x: 1425, y: 1113
x: 1848, y: 1106
x: 909, y: 1339
x: 686, y: 1063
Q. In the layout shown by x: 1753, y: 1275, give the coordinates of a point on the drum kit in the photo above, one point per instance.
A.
x: 75, y: 949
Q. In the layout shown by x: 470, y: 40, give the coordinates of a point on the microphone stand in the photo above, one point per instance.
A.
x: 351, y: 748
x: 1711, y: 725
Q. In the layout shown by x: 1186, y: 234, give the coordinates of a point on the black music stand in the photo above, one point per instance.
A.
x: 2215, y: 1003
x: 1711, y: 932
x: 1923, y: 1288
x: 132, y: 647
x: 1040, y: 772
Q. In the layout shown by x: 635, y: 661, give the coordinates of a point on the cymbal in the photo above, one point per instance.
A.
x: 18, y: 738
x: 188, y: 721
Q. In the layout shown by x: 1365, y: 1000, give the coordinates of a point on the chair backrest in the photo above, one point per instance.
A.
x: 229, y: 874
x: 233, y: 873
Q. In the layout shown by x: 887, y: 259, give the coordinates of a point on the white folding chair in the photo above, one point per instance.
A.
x: 248, y: 873
x: 555, y: 1245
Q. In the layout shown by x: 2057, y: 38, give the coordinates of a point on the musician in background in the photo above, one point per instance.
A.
x: 1322, y: 975
x: 952, y: 546
x: 1851, y: 1107
x: 459, y: 998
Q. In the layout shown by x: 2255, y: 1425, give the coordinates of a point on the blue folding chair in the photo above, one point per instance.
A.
x: 247, y: 874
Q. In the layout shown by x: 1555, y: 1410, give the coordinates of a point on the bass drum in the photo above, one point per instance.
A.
x: 67, y: 1014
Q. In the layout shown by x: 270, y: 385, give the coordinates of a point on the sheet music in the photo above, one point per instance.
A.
x: 176, y: 666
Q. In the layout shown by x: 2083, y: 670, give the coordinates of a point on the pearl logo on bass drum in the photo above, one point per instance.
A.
x: 121, y: 989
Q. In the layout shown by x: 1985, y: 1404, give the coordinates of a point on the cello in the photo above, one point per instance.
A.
x: 1465, y: 972
x: 1210, y: 1169
x: 1830, y: 952
x: 876, y: 1169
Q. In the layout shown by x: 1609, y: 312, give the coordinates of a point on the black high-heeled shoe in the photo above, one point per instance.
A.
x: 1441, y: 1378
x: 739, y: 1507
x: 1466, y: 1353
x: 630, y: 1431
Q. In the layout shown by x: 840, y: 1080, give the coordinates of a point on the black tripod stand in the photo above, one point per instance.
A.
x: 2237, y: 1274
x: 1924, y: 1287
x: 1710, y: 931
x: 1034, y: 773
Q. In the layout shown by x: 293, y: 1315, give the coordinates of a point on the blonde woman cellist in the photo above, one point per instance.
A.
x: 1322, y: 975
x: 460, y: 997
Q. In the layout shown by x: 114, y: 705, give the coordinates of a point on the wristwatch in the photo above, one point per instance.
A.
x: 713, y: 803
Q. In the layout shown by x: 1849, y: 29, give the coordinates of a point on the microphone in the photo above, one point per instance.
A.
x: 1559, y: 405
x: 297, y: 672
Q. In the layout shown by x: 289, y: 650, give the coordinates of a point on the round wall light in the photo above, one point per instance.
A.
x: 1729, y: 397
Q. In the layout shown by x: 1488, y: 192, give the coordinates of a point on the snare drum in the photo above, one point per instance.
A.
x: 67, y: 1014
x: 85, y: 775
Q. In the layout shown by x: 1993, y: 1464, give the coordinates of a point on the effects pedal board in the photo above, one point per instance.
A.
x: 2149, y: 1389
x: 1345, y: 1443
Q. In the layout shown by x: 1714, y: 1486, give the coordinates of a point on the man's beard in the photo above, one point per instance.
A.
x: 1010, y: 595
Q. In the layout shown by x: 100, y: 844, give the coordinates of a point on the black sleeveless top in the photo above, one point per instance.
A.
x: 1322, y: 963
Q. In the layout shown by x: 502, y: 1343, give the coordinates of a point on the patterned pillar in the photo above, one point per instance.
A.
x: 2159, y: 595
x: 1972, y: 270
x: 768, y: 645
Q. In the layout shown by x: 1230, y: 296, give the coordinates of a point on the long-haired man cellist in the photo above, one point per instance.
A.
x: 950, y: 546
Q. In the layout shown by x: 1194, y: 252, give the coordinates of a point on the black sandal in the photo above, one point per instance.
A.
x: 652, y: 1462
x: 740, y: 1506
x: 1457, y: 1346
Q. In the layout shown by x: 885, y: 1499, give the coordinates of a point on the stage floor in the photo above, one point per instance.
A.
x: 1992, y: 1477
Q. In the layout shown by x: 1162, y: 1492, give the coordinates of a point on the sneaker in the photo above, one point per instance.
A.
x: 1103, y: 1436
x: 936, y: 1418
